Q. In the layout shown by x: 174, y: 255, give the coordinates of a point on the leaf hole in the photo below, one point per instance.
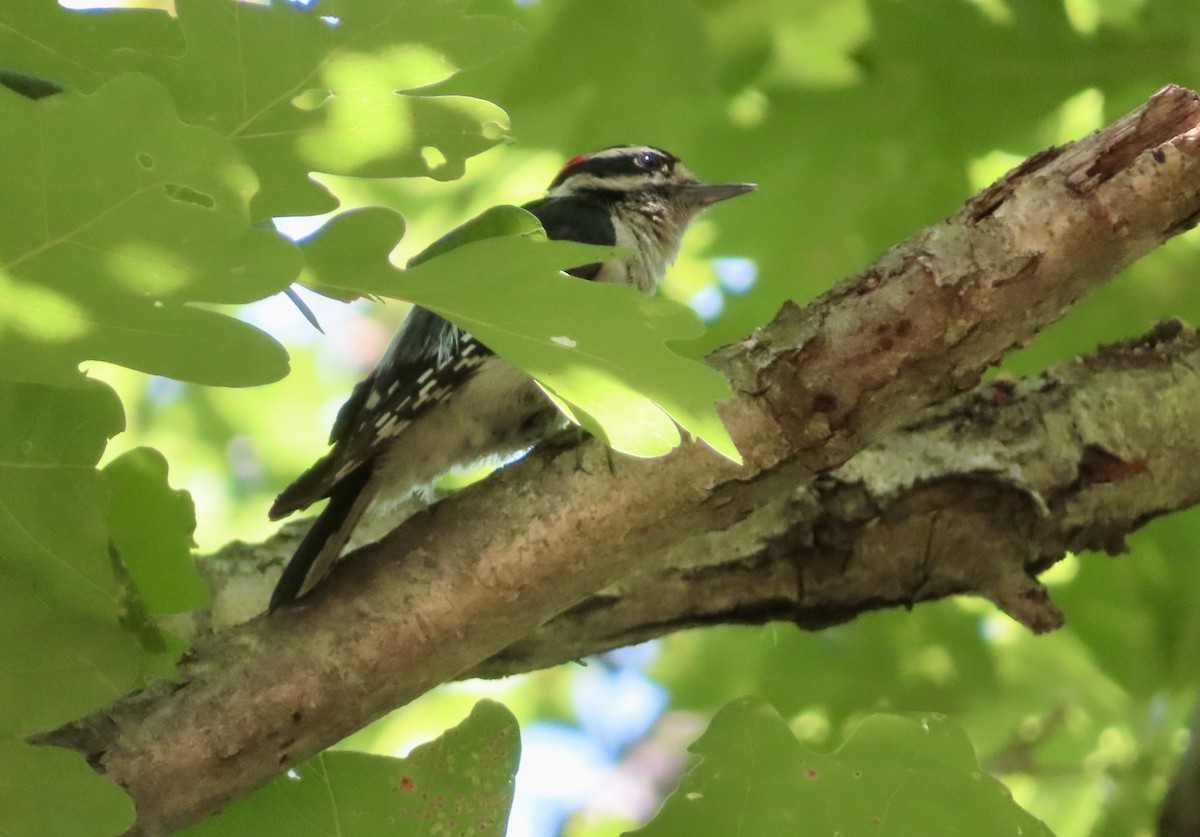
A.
x: 186, y: 194
x: 433, y: 157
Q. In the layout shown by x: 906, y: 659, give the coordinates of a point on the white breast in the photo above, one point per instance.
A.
x: 496, y: 413
x: 645, y: 268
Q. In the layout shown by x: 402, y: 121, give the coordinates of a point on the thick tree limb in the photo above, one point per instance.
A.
x: 453, y: 587
x: 976, y: 496
x: 1021, y: 472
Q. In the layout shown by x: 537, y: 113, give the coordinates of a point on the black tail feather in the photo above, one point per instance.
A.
x: 336, y: 521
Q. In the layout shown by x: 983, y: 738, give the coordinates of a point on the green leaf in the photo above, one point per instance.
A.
x: 129, y: 216
x: 302, y: 93
x: 151, y: 528
x: 51, y: 498
x: 83, y: 49
x: 52, y: 792
x: 496, y: 222
x: 461, y: 783
x: 896, y: 775
x: 51, y: 426
x: 301, y: 89
x: 63, y: 651
x: 598, y: 350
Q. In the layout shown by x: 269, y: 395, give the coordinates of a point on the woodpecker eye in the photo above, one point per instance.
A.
x: 650, y: 160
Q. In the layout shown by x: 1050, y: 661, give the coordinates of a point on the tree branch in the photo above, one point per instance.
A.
x: 976, y: 496
x: 456, y: 585
x: 1020, y: 471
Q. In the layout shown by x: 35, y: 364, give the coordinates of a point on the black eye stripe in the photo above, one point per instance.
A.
x: 600, y: 167
x: 615, y: 166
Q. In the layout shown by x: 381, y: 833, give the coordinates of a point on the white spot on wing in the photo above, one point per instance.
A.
x: 466, y: 363
x: 393, y: 427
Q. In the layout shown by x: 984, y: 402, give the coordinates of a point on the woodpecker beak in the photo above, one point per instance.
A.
x: 704, y: 194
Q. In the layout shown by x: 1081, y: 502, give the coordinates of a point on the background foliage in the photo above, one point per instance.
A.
x: 138, y: 218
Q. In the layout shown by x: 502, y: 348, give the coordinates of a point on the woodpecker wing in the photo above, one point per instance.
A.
x: 429, y: 359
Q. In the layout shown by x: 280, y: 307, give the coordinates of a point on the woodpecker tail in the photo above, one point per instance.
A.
x: 323, y: 543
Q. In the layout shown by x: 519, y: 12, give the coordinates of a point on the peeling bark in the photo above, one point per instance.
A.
x: 475, y: 574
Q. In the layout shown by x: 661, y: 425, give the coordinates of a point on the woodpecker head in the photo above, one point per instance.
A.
x: 647, y: 197
x: 640, y: 174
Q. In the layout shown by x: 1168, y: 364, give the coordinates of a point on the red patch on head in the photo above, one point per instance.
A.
x: 573, y: 161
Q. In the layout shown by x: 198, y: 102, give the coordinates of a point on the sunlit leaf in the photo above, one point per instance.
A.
x: 151, y: 529
x: 63, y: 650
x: 127, y: 216
x: 320, y: 88
x: 52, y: 792
x: 895, y: 775
x: 301, y: 88
x: 461, y: 783
x: 599, y: 348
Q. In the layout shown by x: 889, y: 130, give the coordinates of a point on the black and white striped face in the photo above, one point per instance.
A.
x: 640, y: 170
x: 624, y: 168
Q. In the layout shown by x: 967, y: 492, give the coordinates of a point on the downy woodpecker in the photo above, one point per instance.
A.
x: 439, y: 399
